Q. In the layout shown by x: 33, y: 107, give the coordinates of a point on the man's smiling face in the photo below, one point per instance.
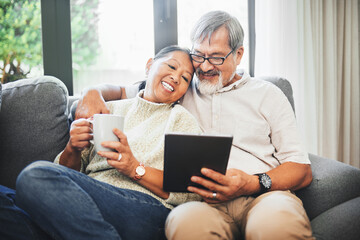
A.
x: 213, y: 77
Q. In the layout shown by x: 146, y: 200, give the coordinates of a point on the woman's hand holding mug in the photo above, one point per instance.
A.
x: 122, y: 157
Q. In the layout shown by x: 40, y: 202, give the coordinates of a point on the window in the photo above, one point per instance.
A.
x: 111, y: 41
x: 20, y: 40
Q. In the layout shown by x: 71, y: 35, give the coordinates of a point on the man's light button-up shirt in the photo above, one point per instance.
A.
x: 265, y: 134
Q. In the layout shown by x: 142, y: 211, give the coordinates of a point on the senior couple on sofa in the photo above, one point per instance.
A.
x: 255, y: 199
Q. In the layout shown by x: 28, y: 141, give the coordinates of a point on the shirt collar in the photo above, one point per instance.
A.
x: 245, y: 77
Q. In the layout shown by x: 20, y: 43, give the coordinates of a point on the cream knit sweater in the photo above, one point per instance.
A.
x: 145, y: 125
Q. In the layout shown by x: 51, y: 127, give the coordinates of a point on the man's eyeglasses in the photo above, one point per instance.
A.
x: 212, y: 60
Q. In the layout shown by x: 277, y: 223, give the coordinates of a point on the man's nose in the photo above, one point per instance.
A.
x: 206, y: 66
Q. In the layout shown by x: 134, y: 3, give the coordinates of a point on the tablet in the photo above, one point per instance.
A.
x: 186, y: 154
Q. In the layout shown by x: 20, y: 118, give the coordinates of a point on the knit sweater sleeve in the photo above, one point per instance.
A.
x: 183, y: 122
x: 85, y: 156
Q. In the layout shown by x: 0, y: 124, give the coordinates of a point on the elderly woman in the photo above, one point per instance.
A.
x: 100, y: 195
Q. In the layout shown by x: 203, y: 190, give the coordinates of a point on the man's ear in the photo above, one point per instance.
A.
x: 148, y: 65
x: 239, y: 54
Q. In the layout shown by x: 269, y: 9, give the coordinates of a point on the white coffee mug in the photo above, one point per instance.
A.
x: 103, y: 125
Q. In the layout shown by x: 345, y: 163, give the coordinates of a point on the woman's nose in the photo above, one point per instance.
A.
x: 175, y: 78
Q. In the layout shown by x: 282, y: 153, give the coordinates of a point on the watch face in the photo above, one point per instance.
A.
x: 266, y: 181
x: 140, y: 170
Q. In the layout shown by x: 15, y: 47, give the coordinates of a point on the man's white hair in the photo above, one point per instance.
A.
x: 212, y: 21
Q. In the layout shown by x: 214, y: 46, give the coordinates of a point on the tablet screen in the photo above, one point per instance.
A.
x: 186, y: 154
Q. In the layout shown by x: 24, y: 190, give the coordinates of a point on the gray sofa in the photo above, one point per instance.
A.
x: 34, y: 124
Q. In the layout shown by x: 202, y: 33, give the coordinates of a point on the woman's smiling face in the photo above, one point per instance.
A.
x: 168, y: 77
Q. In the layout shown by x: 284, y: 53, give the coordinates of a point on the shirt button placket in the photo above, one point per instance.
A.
x: 216, y: 111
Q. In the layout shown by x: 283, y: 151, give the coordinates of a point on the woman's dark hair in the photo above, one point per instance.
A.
x: 163, y: 53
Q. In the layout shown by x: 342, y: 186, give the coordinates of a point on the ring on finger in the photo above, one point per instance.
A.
x: 119, y: 158
x: 214, y: 195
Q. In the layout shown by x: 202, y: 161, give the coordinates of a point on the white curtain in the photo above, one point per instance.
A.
x: 315, y: 45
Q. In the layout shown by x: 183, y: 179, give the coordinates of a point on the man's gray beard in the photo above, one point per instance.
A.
x: 206, y: 87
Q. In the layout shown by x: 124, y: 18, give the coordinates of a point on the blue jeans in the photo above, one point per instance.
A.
x: 15, y: 223
x: 70, y: 205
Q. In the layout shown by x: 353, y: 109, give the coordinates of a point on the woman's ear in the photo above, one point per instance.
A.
x: 148, y: 65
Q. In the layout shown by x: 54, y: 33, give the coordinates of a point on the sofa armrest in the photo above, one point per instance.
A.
x: 339, y: 222
x: 333, y: 183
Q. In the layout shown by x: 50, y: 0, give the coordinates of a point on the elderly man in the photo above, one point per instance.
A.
x: 254, y: 200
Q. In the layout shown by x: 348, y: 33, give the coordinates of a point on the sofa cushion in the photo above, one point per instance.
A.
x: 33, y: 124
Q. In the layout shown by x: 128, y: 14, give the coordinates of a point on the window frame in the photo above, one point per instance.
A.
x: 56, y: 39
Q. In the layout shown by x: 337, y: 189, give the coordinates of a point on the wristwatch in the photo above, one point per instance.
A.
x: 139, y: 172
x: 265, y: 182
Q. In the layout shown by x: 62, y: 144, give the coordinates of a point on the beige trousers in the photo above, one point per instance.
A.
x: 273, y: 215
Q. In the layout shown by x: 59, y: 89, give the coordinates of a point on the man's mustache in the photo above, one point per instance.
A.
x: 210, y: 72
